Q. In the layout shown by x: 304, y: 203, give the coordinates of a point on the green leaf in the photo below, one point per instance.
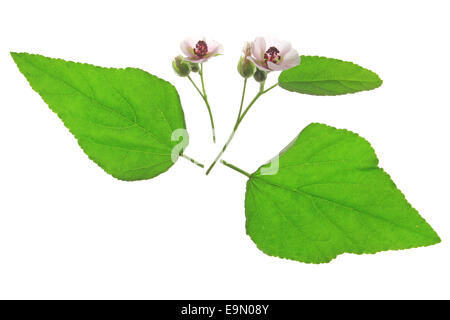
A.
x: 322, y: 76
x: 122, y: 118
x: 330, y: 197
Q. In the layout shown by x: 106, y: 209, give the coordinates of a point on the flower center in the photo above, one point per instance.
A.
x: 201, y: 49
x: 272, y: 54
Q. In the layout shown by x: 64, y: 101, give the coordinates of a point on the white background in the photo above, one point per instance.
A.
x: 68, y: 230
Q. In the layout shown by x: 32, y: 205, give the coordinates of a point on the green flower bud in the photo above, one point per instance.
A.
x: 245, y: 67
x: 260, y: 76
x: 181, y: 66
x: 195, y: 67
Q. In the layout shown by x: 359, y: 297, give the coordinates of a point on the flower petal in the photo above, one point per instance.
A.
x: 214, y: 48
x: 281, y: 45
x: 259, y: 64
x: 192, y: 59
x: 197, y: 59
x: 274, y: 67
x: 284, y: 47
x: 259, y: 48
x: 291, y: 59
x: 187, y: 47
x: 247, y: 49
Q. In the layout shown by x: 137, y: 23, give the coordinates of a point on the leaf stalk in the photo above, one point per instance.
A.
x: 192, y: 160
x: 204, y: 96
x: 236, y: 168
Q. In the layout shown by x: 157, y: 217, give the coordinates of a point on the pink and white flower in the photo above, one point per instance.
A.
x: 273, y: 55
x: 198, y: 51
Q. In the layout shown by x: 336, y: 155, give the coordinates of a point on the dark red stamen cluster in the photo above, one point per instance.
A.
x: 272, y: 54
x: 201, y: 49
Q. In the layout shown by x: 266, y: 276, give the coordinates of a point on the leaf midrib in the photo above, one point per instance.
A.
x: 337, y: 227
x: 325, y: 80
x: 99, y: 102
x: 298, y: 230
x: 125, y: 148
x: 307, y: 194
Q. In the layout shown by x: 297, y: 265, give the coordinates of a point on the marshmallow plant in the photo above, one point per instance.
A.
x: 322, y: 195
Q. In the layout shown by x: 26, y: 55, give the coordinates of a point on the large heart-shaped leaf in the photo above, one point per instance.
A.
x: 329, y: 197
x: 322, y: 76
x: 122, y: 118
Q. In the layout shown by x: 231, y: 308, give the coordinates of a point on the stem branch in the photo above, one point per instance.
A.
x: 239, y: 120
x: 205, y: 99
x: 195, y: 86
x: 267, y: 90
x: 242, y: 98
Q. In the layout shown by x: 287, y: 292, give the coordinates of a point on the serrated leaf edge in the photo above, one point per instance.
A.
x: 438, y: 239
x: 337, y: 94
x: 97, y: 162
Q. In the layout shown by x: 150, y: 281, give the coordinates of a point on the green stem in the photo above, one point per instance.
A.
x: 248, y: 107
x: 195, y: 86
x: 223, y: 149
x: 242, y: 98
x: 192, y: 160
x: 267, y: 90
x: 201, y: 78
x: 260, y: 93
x: 236, y: 168
x: 205, y: 99
x: 238, y: 122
